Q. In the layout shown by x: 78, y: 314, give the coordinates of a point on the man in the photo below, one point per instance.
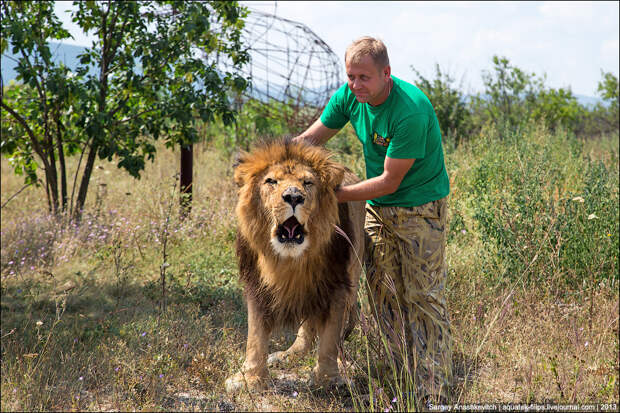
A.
x: 406, y: 189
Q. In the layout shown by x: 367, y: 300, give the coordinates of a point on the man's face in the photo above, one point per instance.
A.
x: 368, y: 83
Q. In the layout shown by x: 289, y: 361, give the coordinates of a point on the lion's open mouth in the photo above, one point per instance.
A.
x: 290, y: 231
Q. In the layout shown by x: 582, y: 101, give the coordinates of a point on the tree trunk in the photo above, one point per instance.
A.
x: 51, y: 175
x: 52, y: 184
x: 88, y: 169
x: 63, y: 180
x: 103, y: 90
x: 47, y: 192
x: 63, y: 169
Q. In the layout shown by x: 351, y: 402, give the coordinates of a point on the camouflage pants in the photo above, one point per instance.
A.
x: 406, y: 273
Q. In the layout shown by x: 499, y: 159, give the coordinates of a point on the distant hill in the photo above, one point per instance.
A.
x: 590, y: 101
x: 67, y: 54
x: 587, y: 101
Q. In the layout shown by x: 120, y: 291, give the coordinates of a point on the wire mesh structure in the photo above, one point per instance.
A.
x: 289, y: 64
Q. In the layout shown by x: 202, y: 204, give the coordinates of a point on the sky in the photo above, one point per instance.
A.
x: 570, y: 42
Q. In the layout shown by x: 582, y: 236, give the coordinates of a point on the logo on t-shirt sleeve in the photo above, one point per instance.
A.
x: 380, y: 140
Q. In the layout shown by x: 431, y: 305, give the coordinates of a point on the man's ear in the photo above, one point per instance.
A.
x: 387, y: 71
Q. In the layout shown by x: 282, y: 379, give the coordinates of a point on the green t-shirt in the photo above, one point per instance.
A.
x: 403, y: 127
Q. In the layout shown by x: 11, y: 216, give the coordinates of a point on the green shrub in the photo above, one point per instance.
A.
x: 455, y: 120
x: 588, y: 229
x: 549, y: 212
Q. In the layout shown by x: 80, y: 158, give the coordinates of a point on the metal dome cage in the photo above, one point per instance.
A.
x: 289, y: 64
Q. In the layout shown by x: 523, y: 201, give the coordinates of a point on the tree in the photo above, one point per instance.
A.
x: 602, y: 118
x: 449, y: 103
x: 513, y: 97
x: 556, y: 107
x: 508, y: 94
x: 151, y: 73
x: 36, y: 127
x: 608, y: 90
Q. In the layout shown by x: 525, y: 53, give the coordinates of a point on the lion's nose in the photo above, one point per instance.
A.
x: 293, y: 196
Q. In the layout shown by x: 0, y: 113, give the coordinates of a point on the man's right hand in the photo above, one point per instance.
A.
x: 316, y: 134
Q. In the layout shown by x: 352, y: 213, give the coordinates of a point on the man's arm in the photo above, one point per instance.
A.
x: 394, y: 170
x: 316, y: 134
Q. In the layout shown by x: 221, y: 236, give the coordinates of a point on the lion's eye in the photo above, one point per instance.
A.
x: 271, y: 181
x: 308, y: 183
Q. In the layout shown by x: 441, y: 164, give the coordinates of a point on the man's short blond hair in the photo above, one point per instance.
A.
x: 367, y: 46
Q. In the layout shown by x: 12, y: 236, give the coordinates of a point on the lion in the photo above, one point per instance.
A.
x: 296, y: 268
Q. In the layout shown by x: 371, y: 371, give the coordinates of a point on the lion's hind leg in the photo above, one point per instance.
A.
x: 302, y: 345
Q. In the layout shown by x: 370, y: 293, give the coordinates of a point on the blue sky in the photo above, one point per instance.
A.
x: 569, y: 41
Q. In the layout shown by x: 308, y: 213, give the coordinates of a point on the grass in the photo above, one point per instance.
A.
x: 83, y: 329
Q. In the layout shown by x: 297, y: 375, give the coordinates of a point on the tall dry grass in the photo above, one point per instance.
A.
x: 83, y: 329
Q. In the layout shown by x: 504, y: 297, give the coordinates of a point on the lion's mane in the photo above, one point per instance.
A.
x: 290, y: 290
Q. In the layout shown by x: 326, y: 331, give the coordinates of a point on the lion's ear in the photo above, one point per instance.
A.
x: 333, y: 175
x: 240, y: 170
x: 237, y: 159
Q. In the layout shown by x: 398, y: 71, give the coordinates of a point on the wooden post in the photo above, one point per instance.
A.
x: 187, y: 166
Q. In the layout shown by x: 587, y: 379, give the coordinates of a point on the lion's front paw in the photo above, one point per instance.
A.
x: 327, y: 378
x: 241, y: 380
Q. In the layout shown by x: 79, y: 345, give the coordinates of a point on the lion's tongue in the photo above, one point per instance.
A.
x: 290, y: 225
